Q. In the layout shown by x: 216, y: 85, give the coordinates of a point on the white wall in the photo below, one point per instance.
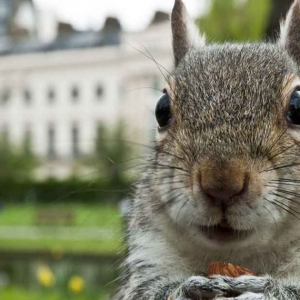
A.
x: 124, y: 73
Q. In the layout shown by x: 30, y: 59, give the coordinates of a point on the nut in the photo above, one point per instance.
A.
x: 230, y: 270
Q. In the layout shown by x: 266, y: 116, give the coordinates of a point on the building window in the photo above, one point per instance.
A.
x: 51, y: 136
x: 99, y: 92
x: 75, y: 141
x: 75, y: 94
x: 51, y: 95
x: 27, y: 96
x: 5, y: 96
x: 27, y: 142
x: 100, y: 135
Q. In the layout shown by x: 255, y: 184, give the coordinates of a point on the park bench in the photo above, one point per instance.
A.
x: 54, y: 217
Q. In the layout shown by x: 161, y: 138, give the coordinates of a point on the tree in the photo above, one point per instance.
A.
x: 235, y: 20
x: 111, y: 152
x: 16, y: 163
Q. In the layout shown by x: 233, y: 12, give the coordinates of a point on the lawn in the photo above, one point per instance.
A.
x: 87, y: 218
x: 58, y: 248
x: 84, y: 215
x: 16, y: 293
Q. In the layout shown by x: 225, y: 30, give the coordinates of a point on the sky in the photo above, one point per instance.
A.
x: 134, y: 14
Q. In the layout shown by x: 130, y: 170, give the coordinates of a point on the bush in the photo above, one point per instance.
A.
x: 112, y: 152
x: 54, y: 191
x: 110, y: 182
x: 16, y: 163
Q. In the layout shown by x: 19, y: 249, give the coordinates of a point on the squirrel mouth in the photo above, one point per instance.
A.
x: 224, y: 233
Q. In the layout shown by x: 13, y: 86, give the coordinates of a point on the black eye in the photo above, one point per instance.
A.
x: 294, y: 111
x: 163, y: 111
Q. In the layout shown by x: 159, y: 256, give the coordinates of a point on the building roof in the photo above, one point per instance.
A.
x: 68, y: 38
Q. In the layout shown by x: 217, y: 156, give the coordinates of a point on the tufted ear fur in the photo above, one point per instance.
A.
x: 290, y: 32
x: 185, y: 33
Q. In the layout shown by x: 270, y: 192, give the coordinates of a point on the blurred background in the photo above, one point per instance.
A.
x: 79, y: 81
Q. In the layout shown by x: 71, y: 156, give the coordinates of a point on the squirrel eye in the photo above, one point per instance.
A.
x: 294, y: 108
x: 163, y: 111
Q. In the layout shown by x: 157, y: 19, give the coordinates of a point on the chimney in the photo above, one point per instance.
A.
x: 111, y: 31
x: 160, y: 17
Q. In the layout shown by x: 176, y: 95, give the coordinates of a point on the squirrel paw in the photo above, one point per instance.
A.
x: 246, y: 296
x: 245, y: 284
x: 222, y: 287
x: 198, y: 287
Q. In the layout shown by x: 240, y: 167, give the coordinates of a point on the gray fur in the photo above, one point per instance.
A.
x: 185, y: 34
x: 229, y: 104
x: 290, y: 33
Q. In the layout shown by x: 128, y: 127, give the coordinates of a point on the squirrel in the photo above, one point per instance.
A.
x: 222, y: 182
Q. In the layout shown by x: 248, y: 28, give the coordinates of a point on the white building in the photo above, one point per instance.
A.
x: 58, y: 99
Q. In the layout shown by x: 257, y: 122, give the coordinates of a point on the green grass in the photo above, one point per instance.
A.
x: 106, y: 217
x: 58, y: 248
x: 85, y: 215
x: 15, y: 293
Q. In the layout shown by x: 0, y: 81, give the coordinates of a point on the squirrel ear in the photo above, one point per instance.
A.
x: 185, y: 33
x: 290, y: 32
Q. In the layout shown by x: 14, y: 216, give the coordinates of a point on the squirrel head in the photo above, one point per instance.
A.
x: 227, y: 165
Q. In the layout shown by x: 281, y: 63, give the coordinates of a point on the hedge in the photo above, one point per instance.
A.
x: 54, y: 191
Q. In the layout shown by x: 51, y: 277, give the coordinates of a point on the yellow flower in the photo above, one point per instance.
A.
x: 45, y: 276
x: 76, y: 284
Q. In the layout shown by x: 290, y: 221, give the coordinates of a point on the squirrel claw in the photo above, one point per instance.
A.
x: 247, y: 296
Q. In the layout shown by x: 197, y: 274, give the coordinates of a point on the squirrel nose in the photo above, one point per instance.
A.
x: 223, y: 186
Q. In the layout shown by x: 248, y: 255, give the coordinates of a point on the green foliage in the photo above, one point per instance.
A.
x: 236, y: 20
x: 101, y: 190
x: 18, y: 185
x: 111, y: 152
x: 16, y: 164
